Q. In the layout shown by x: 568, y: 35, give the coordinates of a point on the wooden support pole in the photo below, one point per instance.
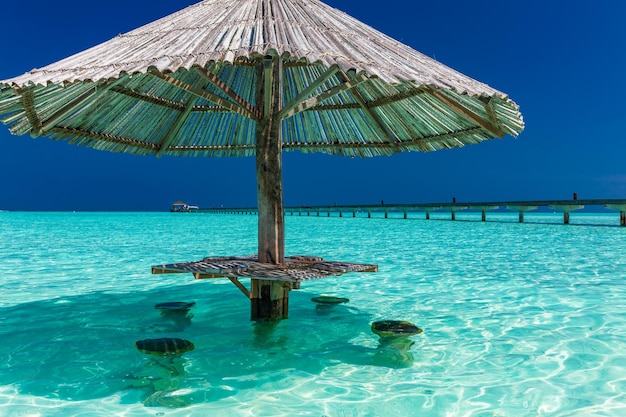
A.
x: 239, y: 285
x: 453, y: 215
x: 405, y: 215
x: 269, y: 165
x: 269, y: 299
x: 428, y: 215
x: 567, y: 208
x: 521, y: 209
x: 386, y: 214
x: 369, y: 214
x: 622, y: 212
x: 484, y: 215
x: 353, y: 213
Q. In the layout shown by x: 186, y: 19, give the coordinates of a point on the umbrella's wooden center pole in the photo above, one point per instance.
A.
x: 270, y: 298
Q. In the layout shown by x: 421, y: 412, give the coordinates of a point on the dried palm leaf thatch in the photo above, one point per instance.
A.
x: 190, y: 84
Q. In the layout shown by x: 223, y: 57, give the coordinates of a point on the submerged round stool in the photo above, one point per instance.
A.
x: 175, y: 306
x: 394, y: 343
x: 165, y: 346
x: 391, y: 328
x: 395, y: 333
x: 325, y: 304
x: 329, y: 300
x: 175, y: 315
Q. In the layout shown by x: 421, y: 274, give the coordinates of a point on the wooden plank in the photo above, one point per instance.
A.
x: 229, y: 105
x: 28, y: 103
x: 255, y: 298
x: 69, y: 108
x: 170, y: 135
x: 403, y: 95
x: 465, y: 112
x: 491, y: 113
x: 159, y: 270
x: 139, y: 144
x: 313, y: 101
x: 148, y: 98
x: 307, y: 91
x: 218, y: 83
x: 382, y: 128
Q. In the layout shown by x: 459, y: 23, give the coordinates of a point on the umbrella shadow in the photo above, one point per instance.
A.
x: 164, y: 382
x: 79, y: 348
x: 343, y: 337
x: 171, y: 321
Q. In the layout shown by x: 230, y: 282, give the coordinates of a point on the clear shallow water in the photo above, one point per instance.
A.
x: 519, y: 319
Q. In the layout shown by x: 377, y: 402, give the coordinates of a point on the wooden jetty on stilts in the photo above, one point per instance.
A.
x: 565, y: 206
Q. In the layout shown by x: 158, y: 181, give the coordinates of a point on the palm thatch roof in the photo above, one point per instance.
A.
x: 188, y: 85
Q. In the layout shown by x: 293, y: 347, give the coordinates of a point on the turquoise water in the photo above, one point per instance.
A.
x: 518, y: 319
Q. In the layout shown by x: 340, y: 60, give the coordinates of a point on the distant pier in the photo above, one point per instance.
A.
x: 564, y: 206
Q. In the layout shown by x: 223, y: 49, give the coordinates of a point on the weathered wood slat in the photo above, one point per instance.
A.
x: 294, y: 269
x: 234, y: 107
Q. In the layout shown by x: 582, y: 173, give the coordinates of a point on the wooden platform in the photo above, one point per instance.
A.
x: 294, y: 270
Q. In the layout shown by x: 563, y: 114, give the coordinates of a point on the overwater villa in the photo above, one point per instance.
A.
x: 180, y: 206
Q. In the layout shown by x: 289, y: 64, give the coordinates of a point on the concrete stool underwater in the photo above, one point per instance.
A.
x: 164, y: 347
x: 168, y: 346
x: 325, y: 304
x: 329, y: 300
x: 175, y: 315
x: 394, y: 342
x: 175, y: 306
x: 164, y: 376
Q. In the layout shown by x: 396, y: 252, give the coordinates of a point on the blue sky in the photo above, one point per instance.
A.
x: 563, y: 62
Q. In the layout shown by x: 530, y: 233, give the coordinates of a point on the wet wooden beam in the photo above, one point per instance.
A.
x: 221, y: 101
x: 224, y: 88
x: 313, y: 101
x: 467, y: 113
x: 305, y: 93
x: 239, y: 285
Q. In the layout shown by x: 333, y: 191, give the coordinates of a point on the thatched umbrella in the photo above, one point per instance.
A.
x: 256, y: 77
